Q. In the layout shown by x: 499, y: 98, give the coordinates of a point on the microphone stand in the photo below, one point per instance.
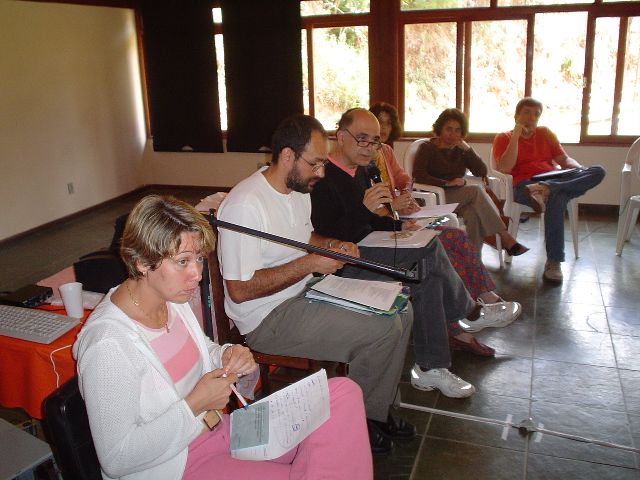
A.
x: 401, y: 273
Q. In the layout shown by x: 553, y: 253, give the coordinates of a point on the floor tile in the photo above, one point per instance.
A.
x: 575, y: 346
x: 627, y: 349
x: 503, y: 375
x: 594, y: 423
x: 573, y: 316
x: 543, y: 467
x: 516, y: 339
x: 574, y: 384
x: 487, y: 406
x: 624, y: 295
x: 570, y: 291
x: 624, y: 321
x: 630, y: 380
x: 447, y: 460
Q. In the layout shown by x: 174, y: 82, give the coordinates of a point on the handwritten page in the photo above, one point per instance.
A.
x: 404, y: 239
x: 433, y: 211
x: 293, y: 413
x: 380, y: 295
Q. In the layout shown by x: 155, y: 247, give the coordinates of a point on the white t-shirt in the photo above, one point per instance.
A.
x: 254, y: 203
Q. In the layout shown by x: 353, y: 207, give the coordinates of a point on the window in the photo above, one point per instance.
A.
x: 587, y: 73
x: 481, y: 56
x: 340, y: 72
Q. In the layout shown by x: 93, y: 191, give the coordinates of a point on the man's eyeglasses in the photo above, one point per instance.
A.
x: 361, y: 142
x: 315, y: 166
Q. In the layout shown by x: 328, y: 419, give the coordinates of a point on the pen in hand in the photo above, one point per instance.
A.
x: 237, y: 394
x: 240, y: 397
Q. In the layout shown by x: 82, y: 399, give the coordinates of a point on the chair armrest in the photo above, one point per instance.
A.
x: 429, y: 198
x: 438, y: 191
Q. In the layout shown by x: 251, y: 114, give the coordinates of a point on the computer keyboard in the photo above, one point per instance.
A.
x: 34, y: 325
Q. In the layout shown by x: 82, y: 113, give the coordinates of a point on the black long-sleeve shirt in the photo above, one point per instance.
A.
x: 337, y: 210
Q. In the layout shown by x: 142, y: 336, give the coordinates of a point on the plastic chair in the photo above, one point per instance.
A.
x: 629, y: 204
x: 514, y: 210
x: 67, y: 429
x: 409, y: 159
x: 229, y: 333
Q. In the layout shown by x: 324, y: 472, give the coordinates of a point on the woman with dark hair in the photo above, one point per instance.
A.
x: 151, y: 379
x: 443, y: 162
x: 464, y: 257
x: 390, y: 126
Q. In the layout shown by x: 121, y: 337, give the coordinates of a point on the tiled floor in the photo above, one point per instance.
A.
x: 571, y: 362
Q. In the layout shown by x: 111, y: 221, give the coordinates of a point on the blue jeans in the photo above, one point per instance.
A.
x: 561, y: 191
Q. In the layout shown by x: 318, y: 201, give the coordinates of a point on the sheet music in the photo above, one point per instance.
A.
x: 380, y: 295
x: 432, y: 211
x: 294, y: 412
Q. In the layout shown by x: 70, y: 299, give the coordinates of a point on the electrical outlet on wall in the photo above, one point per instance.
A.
x: 70, y: 188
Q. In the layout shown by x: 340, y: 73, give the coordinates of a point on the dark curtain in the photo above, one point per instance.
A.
x: 180, y: 63
x: 263, y: 68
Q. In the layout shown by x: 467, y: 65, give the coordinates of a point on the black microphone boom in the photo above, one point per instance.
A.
x: 413, y: 275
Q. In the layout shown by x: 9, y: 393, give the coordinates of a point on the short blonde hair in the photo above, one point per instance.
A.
x: 153, y: 229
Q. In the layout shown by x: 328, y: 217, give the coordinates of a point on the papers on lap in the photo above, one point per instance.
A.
x: 432, y: 211
x: 404, y: 239
x: 368, y: 293
x: 274, y: 425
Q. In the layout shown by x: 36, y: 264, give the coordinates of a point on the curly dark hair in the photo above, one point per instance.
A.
x: 451, y: 114
x: 396, y: 126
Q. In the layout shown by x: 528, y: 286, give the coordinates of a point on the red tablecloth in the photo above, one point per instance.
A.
x: 27, y: 375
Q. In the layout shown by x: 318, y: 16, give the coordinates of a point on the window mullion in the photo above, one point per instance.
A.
x: 310, y: 70
x: 468, y: 45
x: 588, y: 73
x: 528, y: 75
x: 617, y: 94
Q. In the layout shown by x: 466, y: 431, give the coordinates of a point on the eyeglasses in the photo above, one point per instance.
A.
x: 315, y: 166
x: 376, y: 144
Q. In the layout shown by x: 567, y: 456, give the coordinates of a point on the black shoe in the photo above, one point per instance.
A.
x: 396, y: 428
x: 517, y: 249
x: 380, y: 444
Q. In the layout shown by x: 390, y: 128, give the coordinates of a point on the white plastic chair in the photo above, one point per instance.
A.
x: 409, y: 158
x: 629, y: 204
x: 514, y: 210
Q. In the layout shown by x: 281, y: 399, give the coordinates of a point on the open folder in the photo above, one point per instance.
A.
x: 363, y: 296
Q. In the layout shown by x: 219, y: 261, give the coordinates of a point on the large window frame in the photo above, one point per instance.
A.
x: 386, y: 23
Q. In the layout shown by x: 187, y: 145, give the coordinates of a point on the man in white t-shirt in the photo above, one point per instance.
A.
x: 264, y: 281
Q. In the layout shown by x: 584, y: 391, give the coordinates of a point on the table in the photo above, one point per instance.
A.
x: 20, y: 452
x: 26, y: 372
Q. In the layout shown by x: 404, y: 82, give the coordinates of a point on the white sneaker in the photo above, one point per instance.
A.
x: 499, y: 314
x: 442, y: 379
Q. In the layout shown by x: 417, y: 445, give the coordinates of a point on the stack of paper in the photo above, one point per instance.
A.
x: 365, y: 296
x: 405, y: 239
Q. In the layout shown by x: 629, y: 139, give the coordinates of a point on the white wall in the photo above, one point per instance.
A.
x: 70, y: 110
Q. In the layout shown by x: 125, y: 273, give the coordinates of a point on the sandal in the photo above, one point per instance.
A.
x: 517, y: 249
